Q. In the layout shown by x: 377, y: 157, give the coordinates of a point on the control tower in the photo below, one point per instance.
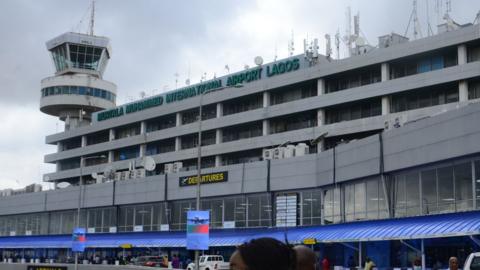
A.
x: 77, y: 89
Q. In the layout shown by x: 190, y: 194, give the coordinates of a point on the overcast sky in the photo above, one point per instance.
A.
x: 153, y: 40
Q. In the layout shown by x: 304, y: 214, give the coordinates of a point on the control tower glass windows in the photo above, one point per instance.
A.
x: 85, y: 57
x: 293, y: 122
x: 243, y: 104
x: 78, y: 90
x: 60, y: 57
x: 293, y: 92
x: 425, y: 97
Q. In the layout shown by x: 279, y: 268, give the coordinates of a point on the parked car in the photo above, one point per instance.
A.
x: 152, y: 261
x: 210, y: 262
x: 472, y: 262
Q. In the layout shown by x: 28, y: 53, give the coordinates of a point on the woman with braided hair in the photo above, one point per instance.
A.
x: 263, y: 254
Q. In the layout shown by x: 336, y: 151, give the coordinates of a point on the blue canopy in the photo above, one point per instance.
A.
x: 434, y: 226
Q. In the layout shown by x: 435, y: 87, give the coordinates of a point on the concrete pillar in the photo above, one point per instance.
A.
x: 320, y: 87
x: 385, y: 105
x: 218, y: 160
x: 143, y: 150
x: 463, y: 91
x: 462, y: 54
x: 385, y: 70
x: 110, y: 156
x: 179, y: 119
x: 84, y: 141
x: 59, y: 147
x: 266, y: 99
x: 219, y: 110
x: 219, y: 136
x: 143, y: 127
x: 265, y: 127
x: 178, y: 143
x: 111, y: 134
x: 320, y: 117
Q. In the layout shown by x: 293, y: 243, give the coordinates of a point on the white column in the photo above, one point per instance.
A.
x: 320, y: 87
x: 110, y: 156
x: 143, y: 150
x: 320, y: 117
x: 462, y: 54
x: 385, y: 70
x: 59, y: 147
x: 265, y: 127
x: 463, y: 91
x: 84, y: 141
x: 143, y: 127
x: 219, y: 136
x: 219, y: 110
x: 385, y: 105
x: 178, y: 143
x: 179, y: 119
x: 266, y: 99
x: 111, y: 134
x: 218, y: 160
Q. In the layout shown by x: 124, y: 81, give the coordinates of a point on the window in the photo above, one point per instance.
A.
x: 331, y: 205
x: 425, y: 97
x: 243, y: 104
x: 293, y: 92
x: 240, y: 132
x: 353, y: 111
x: 293, y: 122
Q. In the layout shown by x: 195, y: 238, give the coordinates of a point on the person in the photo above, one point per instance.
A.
x: 351, y: 263
x: 325, y: 263
x: 263, y: 254
x: 306, y: 258
x: 369, y: 264
x: 417, y: 264
x: 453, y: 263
x: 175, y: 261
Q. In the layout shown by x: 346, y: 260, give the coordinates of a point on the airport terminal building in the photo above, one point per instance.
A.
x: 375, y: 155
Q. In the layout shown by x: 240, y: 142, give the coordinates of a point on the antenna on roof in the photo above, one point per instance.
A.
x: 416, y: 25
x: 92, y: 18
x: 477, y: 18
x: 430, y: 31
x: 291, y: 48
x: 328, y: 51
x: 176, y: 79
x: 348, y: 31
x: 337, y: 43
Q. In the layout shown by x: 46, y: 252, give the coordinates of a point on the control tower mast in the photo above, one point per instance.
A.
x: 77, y: 88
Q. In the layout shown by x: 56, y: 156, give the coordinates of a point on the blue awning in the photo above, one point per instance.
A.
x: 434, y: 226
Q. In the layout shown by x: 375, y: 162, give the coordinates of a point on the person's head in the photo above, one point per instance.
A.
x: 263, y: 254
x: 453, y: 263
x: 306, y: 258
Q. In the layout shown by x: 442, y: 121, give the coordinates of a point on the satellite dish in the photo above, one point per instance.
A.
x: 149, y: 164
x: 63, y: 185
x: 359, y: 41
x: 258, y: 60
x: 109, y: 172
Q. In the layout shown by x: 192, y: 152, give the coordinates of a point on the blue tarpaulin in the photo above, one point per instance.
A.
x: 434, y: 226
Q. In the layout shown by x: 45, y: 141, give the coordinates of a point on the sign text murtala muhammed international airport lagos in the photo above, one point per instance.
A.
x: 276, y: 68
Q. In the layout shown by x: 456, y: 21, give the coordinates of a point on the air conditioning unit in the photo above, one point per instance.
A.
x: 289, y: 151
x: 278, y: 152
x: 301, y: 149
x: 168, y: 168
x: 267, y: 154
x: 125, y: 175
x: 140, y: 173
x: 177, y: 166
x: 118, y: 176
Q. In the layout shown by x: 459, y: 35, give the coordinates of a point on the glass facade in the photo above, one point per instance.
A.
x: 85, y: 57
x: 422, y: 98
x: 78, y: 90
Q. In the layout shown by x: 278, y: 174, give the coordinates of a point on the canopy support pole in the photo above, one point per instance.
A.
x: 475, y: 240
x: 410, y: 246
x: 359, y: 255
x: 423, y: 255
x: 349, y: 246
